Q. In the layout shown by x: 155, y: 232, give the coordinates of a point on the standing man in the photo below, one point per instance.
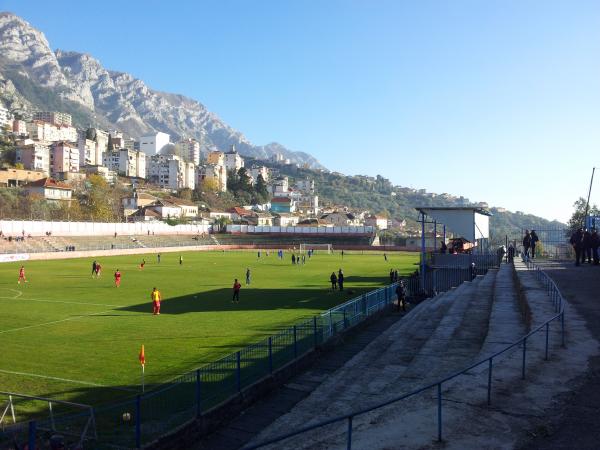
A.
x: 93, y: 269
x: 391, y: 276
x: 247, y: 276
x: 158, y: 258
x: 587, y: 247
x: 98, y: 270
x: 293, y: 259
x: 577, y: 243
x: 595, y: 244
x: 180, y: 259
x: 117, y: 278
x: 236, y: 291
x: 341, y: 279
x: 342, y: 254
x: 526, y: 245
x: 22, y: 275
x: 401, y: 294
x: 385, y: 256
x: 156, y: 298
x: 333, y: 279
x: 534, y: 241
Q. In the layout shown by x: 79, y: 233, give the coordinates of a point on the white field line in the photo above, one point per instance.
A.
x: 55, y: 321
x: 19, y: 293
x: 87, y: 383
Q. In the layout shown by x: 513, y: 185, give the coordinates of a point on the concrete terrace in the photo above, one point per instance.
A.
x: 437, y: 337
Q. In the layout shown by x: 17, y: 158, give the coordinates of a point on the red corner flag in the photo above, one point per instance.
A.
x: 142, y: 357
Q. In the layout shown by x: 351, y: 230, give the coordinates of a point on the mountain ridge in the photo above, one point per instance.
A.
x: 123, y: 101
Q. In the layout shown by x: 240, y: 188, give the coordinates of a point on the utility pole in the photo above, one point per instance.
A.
x: 587, y: 205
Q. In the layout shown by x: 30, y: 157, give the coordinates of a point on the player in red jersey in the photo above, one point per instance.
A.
x: 22, y: 275
x: 142, y: 264
x: 98, y: 270
x: 117, y: 278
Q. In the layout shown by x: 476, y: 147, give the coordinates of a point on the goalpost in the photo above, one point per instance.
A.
x: 304, y: 247
x: 76, y: 422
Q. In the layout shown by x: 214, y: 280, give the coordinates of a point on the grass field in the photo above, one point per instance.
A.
x: 67, y: 335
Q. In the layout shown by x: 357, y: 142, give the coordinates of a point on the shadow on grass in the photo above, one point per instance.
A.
x: 253, y: 299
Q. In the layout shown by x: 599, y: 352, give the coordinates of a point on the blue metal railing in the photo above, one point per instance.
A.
x: 558, y: 303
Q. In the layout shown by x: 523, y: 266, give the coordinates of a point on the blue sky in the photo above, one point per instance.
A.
x: 498, y: 101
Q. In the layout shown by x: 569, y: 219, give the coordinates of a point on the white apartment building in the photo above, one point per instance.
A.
x: 67, y: 133
x: 280, y: 187
x: 213, y: 172
x: 64, y: 157
x: 91, y: 151
x: 42, y: 131
x: 261, y: 170
x: 152, y: 144
x: 5, y: 117
x: 128, y: 163
x: 171, y: 172
x: 191, y: 148
x: 34, y: 156
x: 306, y: 186
x: 233, y: 160
x: 57, y: 118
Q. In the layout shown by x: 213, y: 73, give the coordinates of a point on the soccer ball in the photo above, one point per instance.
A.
x: 126, y: 417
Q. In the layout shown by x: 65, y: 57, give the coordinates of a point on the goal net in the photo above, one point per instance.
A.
x: 73, y: 422
x: 321, y: 248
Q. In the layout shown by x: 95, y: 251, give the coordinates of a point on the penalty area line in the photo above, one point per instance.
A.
x: 55, y: 321
x: 68, y: 380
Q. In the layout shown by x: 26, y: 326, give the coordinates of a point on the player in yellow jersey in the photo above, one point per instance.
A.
x: 155, y: 297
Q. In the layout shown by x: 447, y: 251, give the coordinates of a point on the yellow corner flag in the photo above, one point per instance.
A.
x: 142, y: 356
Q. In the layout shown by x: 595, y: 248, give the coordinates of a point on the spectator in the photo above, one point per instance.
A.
x: 595, y: 244
x: 341, y: 280
x: 333, y: 279
x: 526, y: 245
x: 534, y: 241
x: 587, y: 247
x: 401, y: 294
x: 577, y: 243
x: 443, y: 248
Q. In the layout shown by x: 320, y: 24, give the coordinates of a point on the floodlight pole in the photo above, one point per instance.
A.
x: 587, y: 205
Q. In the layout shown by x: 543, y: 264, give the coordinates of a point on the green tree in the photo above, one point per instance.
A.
x: 578, y: 217
x: 261, y: 189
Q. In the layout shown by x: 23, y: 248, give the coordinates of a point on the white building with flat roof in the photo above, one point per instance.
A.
x: 170, y: 171
x: 64, y: 157
x: 152, y: 144
x: 5, y: 117
x: 128, y: 163
x: 55, y: 117
x: 34, y: 156
x: 191, y: 148
x: 233, y: 160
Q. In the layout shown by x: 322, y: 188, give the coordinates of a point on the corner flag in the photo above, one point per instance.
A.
x: 142, y: 357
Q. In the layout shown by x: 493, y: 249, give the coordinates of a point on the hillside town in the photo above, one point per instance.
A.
x: 53, y: 158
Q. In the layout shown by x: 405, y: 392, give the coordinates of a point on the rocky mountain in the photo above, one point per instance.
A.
x: 33, y: 76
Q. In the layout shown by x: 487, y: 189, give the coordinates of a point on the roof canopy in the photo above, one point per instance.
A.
x: 471, y: 223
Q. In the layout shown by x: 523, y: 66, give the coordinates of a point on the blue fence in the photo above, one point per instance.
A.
x: 558, y: 318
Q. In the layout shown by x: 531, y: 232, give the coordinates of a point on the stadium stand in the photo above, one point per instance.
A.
x: 41, y: 244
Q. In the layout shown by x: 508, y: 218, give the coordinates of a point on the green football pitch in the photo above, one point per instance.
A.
x: 65, y: 334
